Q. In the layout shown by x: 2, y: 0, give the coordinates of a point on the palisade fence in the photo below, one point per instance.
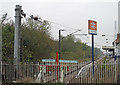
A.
x: 105, y: 72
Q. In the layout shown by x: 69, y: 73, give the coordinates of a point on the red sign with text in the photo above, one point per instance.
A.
x: 92, y: 27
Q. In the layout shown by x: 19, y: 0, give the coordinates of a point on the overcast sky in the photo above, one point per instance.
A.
x: 71, y: 13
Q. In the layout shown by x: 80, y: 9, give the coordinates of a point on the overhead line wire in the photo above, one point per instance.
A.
x: 56, y: 23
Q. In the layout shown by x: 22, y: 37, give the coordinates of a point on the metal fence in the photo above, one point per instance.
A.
x: 105, y: 72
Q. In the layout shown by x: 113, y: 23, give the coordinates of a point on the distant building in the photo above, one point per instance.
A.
x: 109, y: 49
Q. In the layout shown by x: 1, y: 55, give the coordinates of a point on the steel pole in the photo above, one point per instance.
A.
x: 118, y: 45
x: 59, y: 53
x: 1, y: 53
x: 17, y: 34
x: 93, y: 51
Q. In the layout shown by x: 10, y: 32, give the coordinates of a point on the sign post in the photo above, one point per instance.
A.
x: 92, y: 29
x: 57, y: 58
x: 93, y: 51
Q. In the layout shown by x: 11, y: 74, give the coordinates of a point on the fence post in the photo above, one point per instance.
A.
x: 115, y: 72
